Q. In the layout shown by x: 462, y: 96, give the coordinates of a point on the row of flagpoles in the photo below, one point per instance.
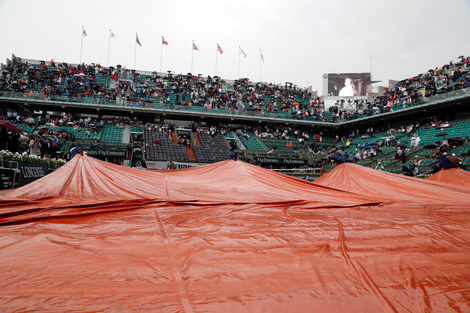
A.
x: 164, y: 42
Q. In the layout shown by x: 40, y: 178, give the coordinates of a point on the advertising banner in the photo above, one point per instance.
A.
x: 280, y: 161
x: 32, y: 171
x: 7, y: 176
x: 137, y: 160
x: 106, y: 153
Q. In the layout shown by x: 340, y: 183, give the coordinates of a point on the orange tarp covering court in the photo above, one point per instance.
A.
x: 393, y: 187
x: 233, y: 237
x: 453, y: 176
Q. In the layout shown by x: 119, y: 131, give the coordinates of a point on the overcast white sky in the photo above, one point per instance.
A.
x: 300, y: 39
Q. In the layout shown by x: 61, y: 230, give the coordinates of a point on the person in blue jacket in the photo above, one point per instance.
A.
x: 75, y: 151
x: 444, y: 162
x: 233, y: 155
x: 340, y: 157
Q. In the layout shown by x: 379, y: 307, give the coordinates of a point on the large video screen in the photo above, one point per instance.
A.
x: 348, y: 84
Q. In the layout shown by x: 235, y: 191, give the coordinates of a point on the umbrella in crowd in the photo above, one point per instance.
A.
x: 441, y: 134
x: 402, y: 145
x: 361, y: 147
x: 456, y: 141
x: 430, y: 146
x: 10, y: 126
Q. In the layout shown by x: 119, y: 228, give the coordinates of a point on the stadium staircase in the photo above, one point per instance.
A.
x: 174, y: 139
x: 237, y: 140
x: 126, y: 134
x: 197, y: 140
x: 191, y: 155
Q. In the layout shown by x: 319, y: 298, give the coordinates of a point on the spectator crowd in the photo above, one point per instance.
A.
x: 45, y: 137
x: 121, y: 86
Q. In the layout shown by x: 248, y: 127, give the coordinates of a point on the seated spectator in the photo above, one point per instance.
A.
x: 379, y: 167
x: 444, y: 145
x: 414, y: 167
x: 400, y: 155
x: 273, y: 151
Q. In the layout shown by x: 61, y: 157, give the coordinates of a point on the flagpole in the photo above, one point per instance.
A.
x: 192, y: 53
x: 135, y: 50
x: 81, y: 46
x: 239, y: 50
x: 109, y: 45
x: 161, y: 55
x: 260, y: 54
x: 216, y: 51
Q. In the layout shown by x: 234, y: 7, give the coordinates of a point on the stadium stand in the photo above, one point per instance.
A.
x: 118, y: 86
x: 251, y: 141
x: 159, y: 146
x: 111, y: 133
x: 30, y: 84
x: 212, y: 149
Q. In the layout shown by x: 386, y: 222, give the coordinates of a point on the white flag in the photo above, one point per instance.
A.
x: 242, y: 52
